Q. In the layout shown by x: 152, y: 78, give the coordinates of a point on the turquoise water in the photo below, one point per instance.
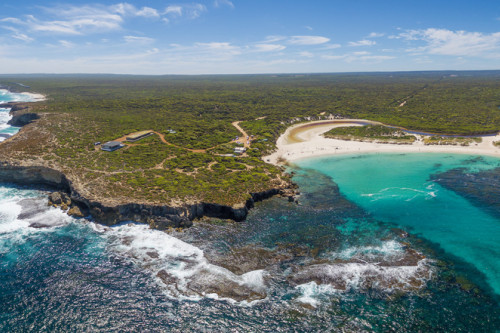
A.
x: 396, y: 188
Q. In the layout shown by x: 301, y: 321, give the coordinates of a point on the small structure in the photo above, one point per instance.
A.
x: 112, y: 145
x: 138, y: 136
x: 239, y: 150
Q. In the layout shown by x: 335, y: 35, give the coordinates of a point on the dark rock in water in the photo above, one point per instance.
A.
x: 400, y: 232
x: 169, y: 221
x: 55, y: 198
x: 59, y: 199
x: 75, y: 211
x: 4, y: 135
x: 208, y: 283
x: 481, y: 188
x: 250, y: 258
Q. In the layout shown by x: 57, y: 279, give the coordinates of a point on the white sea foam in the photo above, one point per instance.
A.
x: 387, y: 267
x: 339, y: 278
x: 405, y: 193
x: 387, y: 250
x: 181, y: 268
x: 311, y: 293
x: 9, y: 210
x: 24, y: 213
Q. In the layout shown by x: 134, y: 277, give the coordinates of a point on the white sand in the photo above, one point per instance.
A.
x: 35, y: 97
x: 306, y: 140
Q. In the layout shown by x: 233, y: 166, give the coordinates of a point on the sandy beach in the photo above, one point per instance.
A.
x: 305, y: 140
x: 35, y: 97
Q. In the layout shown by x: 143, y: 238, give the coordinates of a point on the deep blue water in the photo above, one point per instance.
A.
x: 335, y: 262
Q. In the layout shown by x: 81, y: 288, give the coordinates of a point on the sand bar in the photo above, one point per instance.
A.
x: 305, y: 140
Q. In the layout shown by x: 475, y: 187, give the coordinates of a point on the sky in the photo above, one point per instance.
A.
x: 247, y: 36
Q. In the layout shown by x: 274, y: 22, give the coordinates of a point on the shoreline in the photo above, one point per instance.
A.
x: 35, y: 97
x: 305, y: 140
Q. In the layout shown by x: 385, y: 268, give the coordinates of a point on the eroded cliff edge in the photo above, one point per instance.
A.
x: 15, y: 168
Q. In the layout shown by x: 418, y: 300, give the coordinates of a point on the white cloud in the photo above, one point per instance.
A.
x: 147, y: 12
x: 375, y: 35
x: 219, y: 3
x: 138, y: 39
x: 221, y: 48
x: 73, y: 20
x: 333, y: 57
x: 306, y: 54
x: 309, y: 28
x: 121, y: 8
x: 11, y: 20
x: 23, y: 37
x: 273, y: 39
x: 332, y: 46
x: 454, y: 43
x: 363, y: 42
x: 190, y: 11
x: 360, y: 57
x: 308, y: 40
x: 177, y: 10
x: 376, y: 58
x: 66, y: 44
x: 269, y: 47
x: 80, y: 20
x: 360, y: 53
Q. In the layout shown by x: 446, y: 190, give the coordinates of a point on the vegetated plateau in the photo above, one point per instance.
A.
x: 186, y: 160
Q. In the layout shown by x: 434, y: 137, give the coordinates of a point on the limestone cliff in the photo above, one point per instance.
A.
x: 157, y: 216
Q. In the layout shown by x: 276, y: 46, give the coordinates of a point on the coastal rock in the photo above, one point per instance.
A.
x: 75, y: 211
x: 207, y: 283
x: 169, y: 221
x: 55, y: 198
x: 33, y: 175
x: 59, y: 199
x: 157, y: 216
x: 21, y: 119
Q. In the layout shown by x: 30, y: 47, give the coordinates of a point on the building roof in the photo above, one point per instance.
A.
x: 137, y: 135
x: 112, y: 144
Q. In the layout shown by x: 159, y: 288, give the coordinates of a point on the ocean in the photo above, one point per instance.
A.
x: 376, y: 243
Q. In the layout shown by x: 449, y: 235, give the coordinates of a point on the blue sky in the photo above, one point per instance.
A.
x: 251, y: 36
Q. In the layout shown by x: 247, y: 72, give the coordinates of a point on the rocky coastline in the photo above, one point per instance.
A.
x: 21, y: 113
x: 67, y: 197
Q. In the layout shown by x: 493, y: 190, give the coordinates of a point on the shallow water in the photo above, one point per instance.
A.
x: 396, y: 188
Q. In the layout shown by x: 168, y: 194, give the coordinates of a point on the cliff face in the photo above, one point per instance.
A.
x: 158, y: 217
x: 20, y: 113
x: 32, y: 175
